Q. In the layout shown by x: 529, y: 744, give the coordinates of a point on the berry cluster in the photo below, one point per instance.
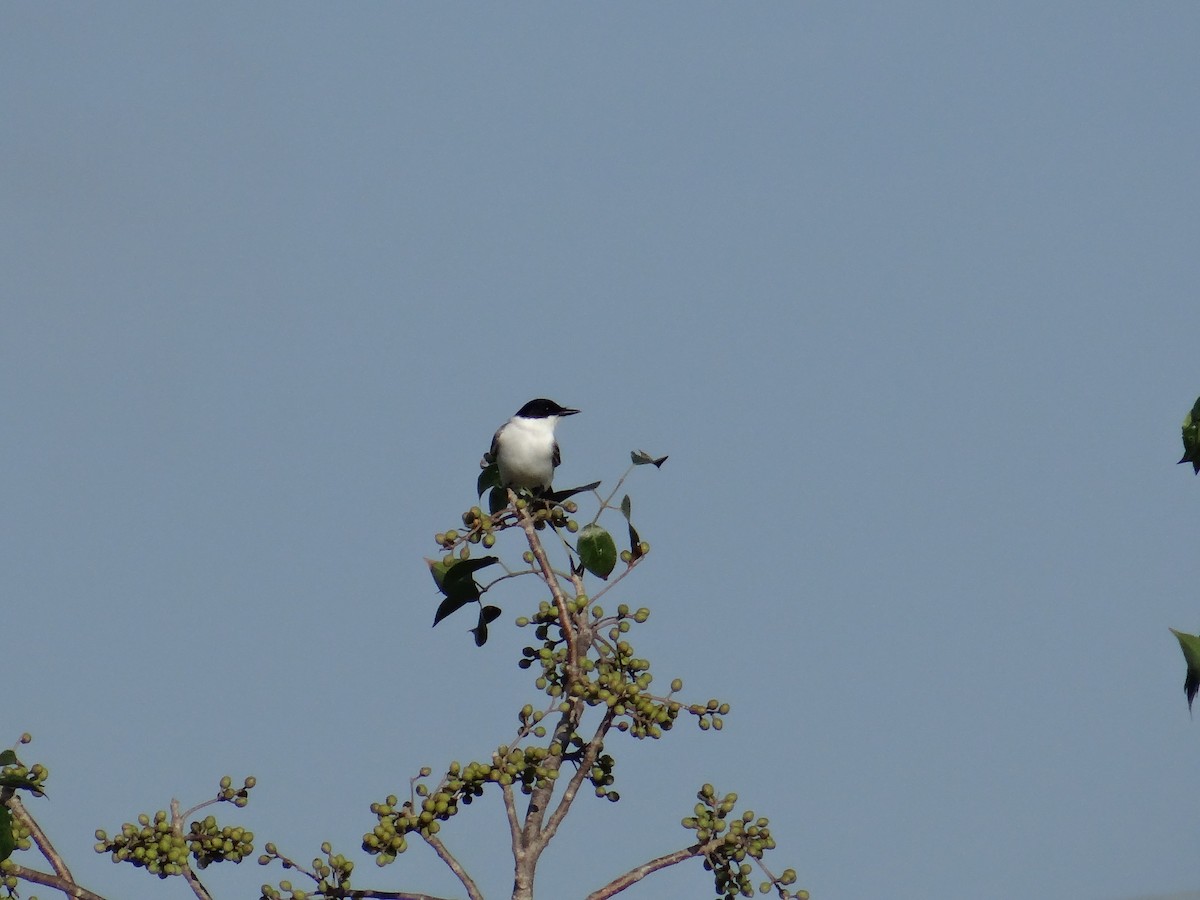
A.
x: 331, y: 875
x: 16, y: 776
x: 610, y: 674
x: 426, y: 809
x: 161, y: 846
x: 480, y: 527
x: 728, y: 843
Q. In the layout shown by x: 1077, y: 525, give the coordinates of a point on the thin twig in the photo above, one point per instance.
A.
x: 51, y: 881
x: 604, y: 500
x: 39, y: 837
x: 636, y: 874
x: 182, y: 816
x: 455, y: 866
x: 610, y: 585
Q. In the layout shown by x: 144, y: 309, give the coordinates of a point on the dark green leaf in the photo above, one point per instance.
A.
x: 20, y: 783
x: 560, y: 496
x: 9, y: 758
x: 480, y: 632
x: 452, y: 605
x: 497, y: 500
x: 465, y: 567
x: 489, y: 614
x: 451, y: 578
x: 1191, y: 438
x: 626, y: 507
x: 1190, y: 645
x: 642, y: 458
x: 597, y: 550
x: 7, y: 844
x: 635, y: 543
x: 489, y: 477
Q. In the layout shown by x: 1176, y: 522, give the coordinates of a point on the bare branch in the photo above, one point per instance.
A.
x: 510, y: 810
x: 51, y: 881
x: 634, y: 875
x: 455, y: 866
x: 23, y: 816
x: 193, y: 881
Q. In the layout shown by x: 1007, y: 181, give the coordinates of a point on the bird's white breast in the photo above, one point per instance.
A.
x: 526, y: 452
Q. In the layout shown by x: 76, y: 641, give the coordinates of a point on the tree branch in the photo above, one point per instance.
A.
x: 634, y: 875
x: 455, y: 866
x: 510, y: 810
x: 39, y: 837
x: 194, y: 883
x: 51, y: 881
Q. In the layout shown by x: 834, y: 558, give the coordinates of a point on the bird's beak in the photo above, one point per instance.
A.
x: 567, y: 412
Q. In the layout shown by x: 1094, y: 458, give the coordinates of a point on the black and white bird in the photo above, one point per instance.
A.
x: 524, y: 448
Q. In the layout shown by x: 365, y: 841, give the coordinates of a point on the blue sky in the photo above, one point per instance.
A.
x: 908, y: 292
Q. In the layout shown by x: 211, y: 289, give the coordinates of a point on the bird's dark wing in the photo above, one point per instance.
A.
x: 491, y: 455
x: 557, y: 456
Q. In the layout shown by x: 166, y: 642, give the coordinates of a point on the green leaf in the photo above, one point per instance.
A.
x: 626, y: 507
x: 1190, y: 645
x: 437, y: 569
x: 458, y: 584
x: 465, y: 567
x: 1191, y: 438
x: 486, y: 614
x: 453, y: 605
x: 21, y: 783
x: 560, y: 496
x: 597, y: 550
x: 642, y: 458
x: 9, y: 758
x: 497, y: 500
x: 7, y: 843
x: 489, y: 477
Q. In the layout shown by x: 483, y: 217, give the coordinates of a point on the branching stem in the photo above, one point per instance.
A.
x: 70, y: 888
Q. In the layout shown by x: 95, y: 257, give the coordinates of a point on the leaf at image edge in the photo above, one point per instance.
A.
x: 1190, y: 645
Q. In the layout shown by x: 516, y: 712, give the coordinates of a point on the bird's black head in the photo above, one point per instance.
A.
x: 543, y: 409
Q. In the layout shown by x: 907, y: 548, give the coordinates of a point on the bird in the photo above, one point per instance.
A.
x: 524, y: 448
